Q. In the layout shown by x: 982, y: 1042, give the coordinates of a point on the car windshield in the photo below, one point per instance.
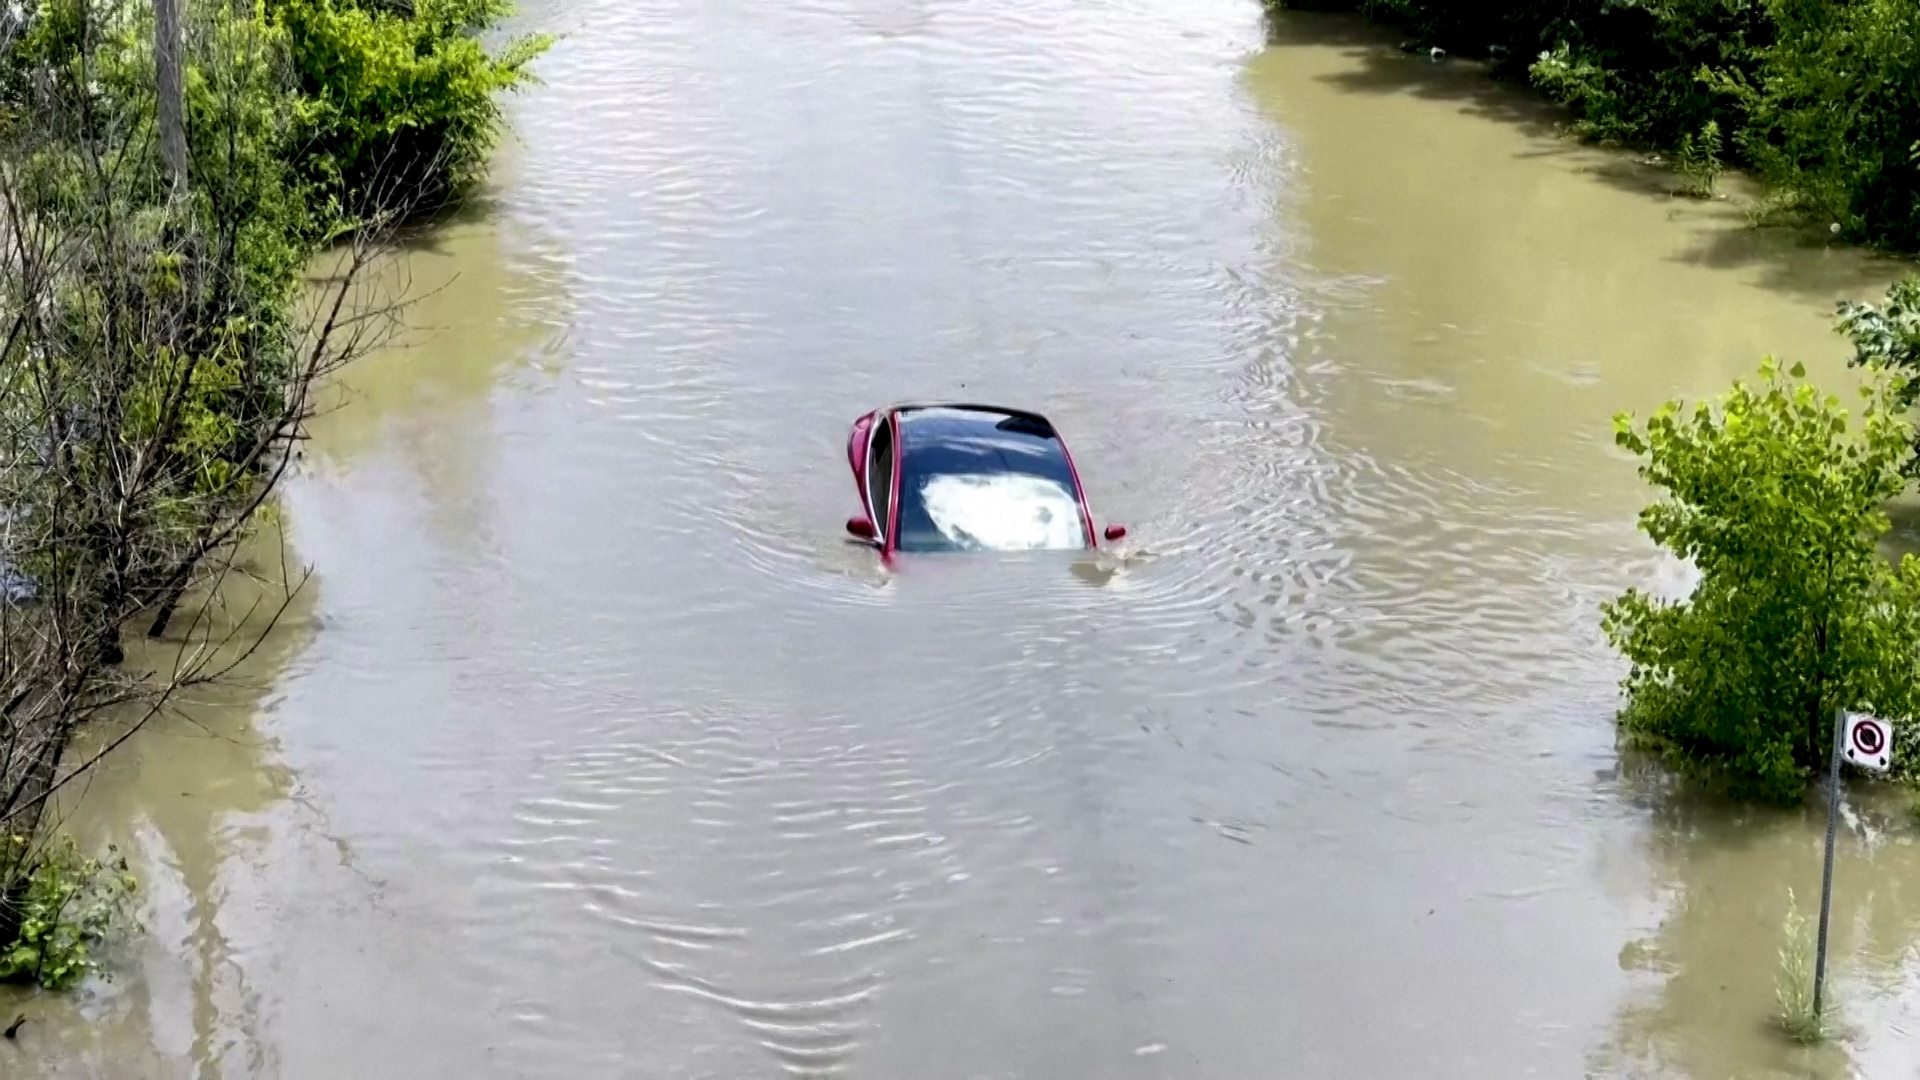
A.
x: 983, y: 481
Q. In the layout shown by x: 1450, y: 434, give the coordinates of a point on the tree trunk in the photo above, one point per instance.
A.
x: 172, y: 119
x: 170, y: 602
x: 168, y: 606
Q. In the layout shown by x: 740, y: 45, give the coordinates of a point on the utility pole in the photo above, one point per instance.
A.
x: 171, y: 112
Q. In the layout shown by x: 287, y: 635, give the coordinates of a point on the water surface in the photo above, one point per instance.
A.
x: 595, y: 750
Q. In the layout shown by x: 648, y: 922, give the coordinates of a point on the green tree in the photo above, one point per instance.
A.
x: 157, y: 363
x: 156, y: 374
x: 1777, y: 503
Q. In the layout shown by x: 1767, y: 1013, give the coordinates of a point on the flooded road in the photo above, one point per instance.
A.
x: 594, y: 750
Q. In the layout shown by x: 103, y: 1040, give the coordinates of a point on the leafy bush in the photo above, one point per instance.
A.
x: 1834, y: 114
x: 65, y: 905
x: 1580, y: 83
x: 1887, y: 338
x: 397, y: 105
x: 1777, y: 504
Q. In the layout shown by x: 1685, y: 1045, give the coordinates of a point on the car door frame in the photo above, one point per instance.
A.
x: 885, y: 527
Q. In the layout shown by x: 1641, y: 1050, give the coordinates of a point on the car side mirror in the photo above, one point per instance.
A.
x: 861, y: 529
x: 1116, y: 533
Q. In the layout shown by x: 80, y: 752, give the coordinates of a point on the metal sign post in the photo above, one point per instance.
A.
x: 1826, y: 876
x: 1865, y: 741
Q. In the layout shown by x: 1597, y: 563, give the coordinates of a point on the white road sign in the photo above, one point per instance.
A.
x: 1868, y: 742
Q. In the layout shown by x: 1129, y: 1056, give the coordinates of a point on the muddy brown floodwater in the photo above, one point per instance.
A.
x: 594, y: 751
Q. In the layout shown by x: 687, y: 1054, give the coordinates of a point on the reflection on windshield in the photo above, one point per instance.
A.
x: 1001, y: 512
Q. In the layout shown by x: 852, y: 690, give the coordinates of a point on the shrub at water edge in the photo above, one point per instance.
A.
x: 1777, y: 503
x: 1820, y: 99
x: 398, y: 104
x: 70, y: 904
x: 158, y: 365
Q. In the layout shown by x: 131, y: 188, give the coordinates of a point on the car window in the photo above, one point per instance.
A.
x: 975, y: 481
x: 880, y: 474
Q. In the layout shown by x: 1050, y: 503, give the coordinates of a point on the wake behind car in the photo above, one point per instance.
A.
x: 966, y: 478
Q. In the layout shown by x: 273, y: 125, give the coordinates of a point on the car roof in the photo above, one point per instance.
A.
x: 962, y: 414
x: 971, y: 440
x: 933, y: 425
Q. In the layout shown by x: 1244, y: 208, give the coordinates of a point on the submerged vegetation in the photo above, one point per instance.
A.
x: 1697, y: 160
x: 69, y: 905
x: 1821, y: 100
x: 1794, y: 985
x: 160, y: 200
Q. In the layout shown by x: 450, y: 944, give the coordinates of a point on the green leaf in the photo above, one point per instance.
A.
x: 67, y: 903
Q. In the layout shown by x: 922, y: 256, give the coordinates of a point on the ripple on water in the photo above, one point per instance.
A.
x: 815, y: 832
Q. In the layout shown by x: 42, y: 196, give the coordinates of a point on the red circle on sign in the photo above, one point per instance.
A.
x: 1866, y: 738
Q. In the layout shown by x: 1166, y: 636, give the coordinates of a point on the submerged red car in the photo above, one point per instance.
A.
x: 966, y: 478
